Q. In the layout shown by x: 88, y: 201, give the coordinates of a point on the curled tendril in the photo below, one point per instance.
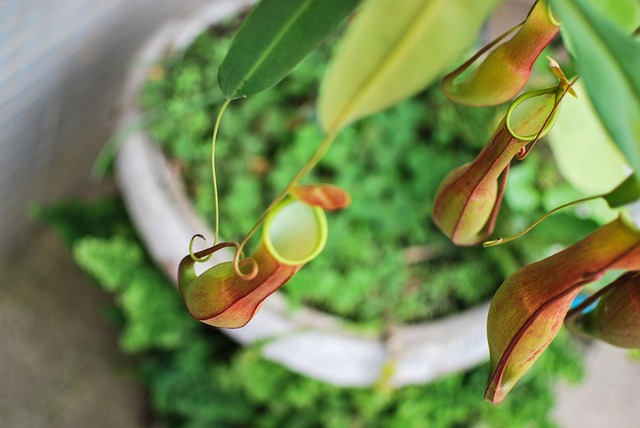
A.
x: 566, y: 88
x: 193, y: 255
x: 524, y: 151
x: 238, y: 258
x: 204, y: 255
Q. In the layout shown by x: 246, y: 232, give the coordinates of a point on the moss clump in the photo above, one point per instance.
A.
x: 392, y: 163
x: 198, y: 378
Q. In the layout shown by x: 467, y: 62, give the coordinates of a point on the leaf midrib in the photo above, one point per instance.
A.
x: 271, y: 46
x: 406, y: 40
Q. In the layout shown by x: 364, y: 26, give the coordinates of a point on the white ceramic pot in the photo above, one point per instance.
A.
x: 306, y: 341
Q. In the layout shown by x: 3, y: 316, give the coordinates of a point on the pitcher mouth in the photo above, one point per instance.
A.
x: 295, y: 233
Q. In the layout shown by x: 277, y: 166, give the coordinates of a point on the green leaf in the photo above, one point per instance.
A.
x: 627, y: 192
x: 609, y: 60
x: 625, y: 13
x: 392, y: 50
x: 584, y: 153
x: 275, y: 37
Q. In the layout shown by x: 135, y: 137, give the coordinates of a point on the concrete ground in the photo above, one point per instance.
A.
x: 608, y: 396
x: 59, y: 360
x: 60, y: 365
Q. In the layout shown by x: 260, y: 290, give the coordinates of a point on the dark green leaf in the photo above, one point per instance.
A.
x: 627, y: 192
x: 625, y: 13
x: 275, y: 37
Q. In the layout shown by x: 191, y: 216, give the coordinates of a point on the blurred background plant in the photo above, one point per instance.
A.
x: 197, y: 377
x: 385, y: 260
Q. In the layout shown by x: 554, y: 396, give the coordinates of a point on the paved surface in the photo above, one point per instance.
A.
x: 609, y: 395
x: 59, y: 360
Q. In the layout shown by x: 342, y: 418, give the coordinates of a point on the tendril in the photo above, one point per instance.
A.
x: 213, y: 170
x: 204, y: 255
x: 236, y: 264
x: 194, y: 257
x: 500, y: 241
x: 524, y: 151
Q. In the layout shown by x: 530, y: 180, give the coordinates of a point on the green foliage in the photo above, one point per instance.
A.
x: 198, y: 378
x: 104, y: 244
x: 194, y: 386
x: 143, y: 292
x: 274, y: 38
x: 609, y: 60
x: 382, y: 61
x: 392, y: 163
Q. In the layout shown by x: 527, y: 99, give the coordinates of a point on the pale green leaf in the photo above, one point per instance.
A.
x: 625, y: 13
x: 586, y: 156
x: 275, y: 37
x: 392, y: 50
x: 625, y: 193
x: 609, y: 62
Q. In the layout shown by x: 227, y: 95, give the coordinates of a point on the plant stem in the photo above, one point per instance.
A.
x: 213, y: 170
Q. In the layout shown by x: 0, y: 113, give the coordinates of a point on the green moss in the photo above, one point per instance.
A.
x: 392, y: 163
x: 198, y: 378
